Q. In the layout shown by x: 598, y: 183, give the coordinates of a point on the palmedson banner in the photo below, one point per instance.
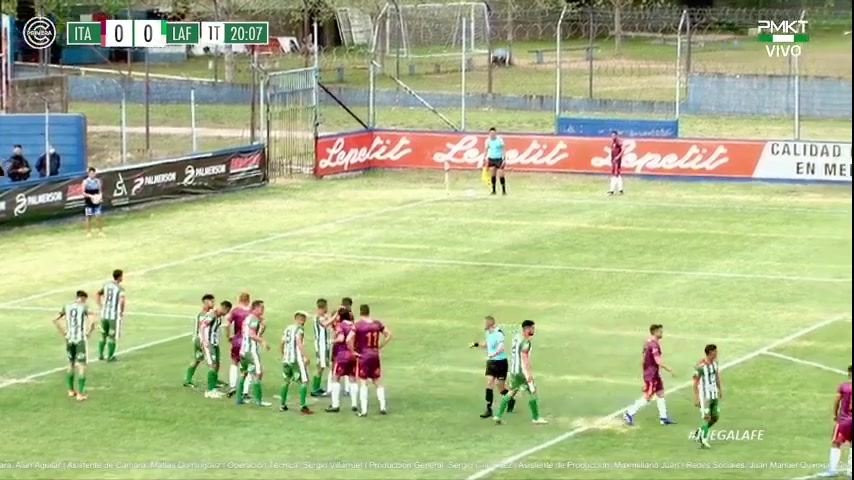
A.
x: 201, y: 174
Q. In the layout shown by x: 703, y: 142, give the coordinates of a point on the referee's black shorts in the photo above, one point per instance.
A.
x: 495, y: 163
x: 496, y: 369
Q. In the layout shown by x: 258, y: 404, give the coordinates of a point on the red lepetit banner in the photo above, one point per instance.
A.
x: 536, y: 153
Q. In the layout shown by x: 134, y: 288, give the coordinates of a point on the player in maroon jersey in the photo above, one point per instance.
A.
x: 842, y: 430
x: 616, y: 164
x: 344, y: 313
x: 369, y: 336
x: 235, y: 331
x: 343, y: 366
x: 653, y: 386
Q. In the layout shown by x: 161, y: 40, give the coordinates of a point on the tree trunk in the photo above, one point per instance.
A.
x: 618, y: 25
x: 230, y: 64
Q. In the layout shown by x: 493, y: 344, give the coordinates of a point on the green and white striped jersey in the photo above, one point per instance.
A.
x: 111, y: 299
x: 76, y: 316
x: 321, y: 333
x: 707, y: 375
x: 247, y: 345
x: 292, y: 337
x: 520, y: 345
x: 208, y: 326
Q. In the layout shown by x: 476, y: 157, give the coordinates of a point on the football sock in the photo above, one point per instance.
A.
x: 835, y: 455
x: 315, y: 383
x: 256, y: 390
x: 705, y: 430
x: 191, y: 370
x: 613, y: 184
x: 101, y: 344
x: 111, y: 348
x: 303, y: 390
x: 502, y: 407
x: 81, y: 383
x: 336, y: 395
x: 283, y: 393
x: 69, y: 380
x: 211, y: 380
x: 232, y: 376
x: 347, y: 384
x: 512, y: 403
x: 354, y: 394
x: 246, y: 387
x: 662, y: 407
x: 329, y: 381
x: 381, y: 397
x: 488, y: 397
x: 620, y: 183
x: 493, y: 184
x: 363, y: 398
x: 633, y: 409
x: 503, y: 185
x: 535, y: 408
x: 848, y: 469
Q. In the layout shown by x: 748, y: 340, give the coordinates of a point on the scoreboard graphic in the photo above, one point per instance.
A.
x: 161, y: 33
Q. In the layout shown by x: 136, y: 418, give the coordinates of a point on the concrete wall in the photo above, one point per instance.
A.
x: 28, y: 95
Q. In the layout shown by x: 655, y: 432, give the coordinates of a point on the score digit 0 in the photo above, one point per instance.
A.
x: 119, y: 34
x: 148, y: 33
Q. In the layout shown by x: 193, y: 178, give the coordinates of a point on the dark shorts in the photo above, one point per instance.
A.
x: 92, y: 210
x: 495, y: 163
x: 842, y: 432
x: 652, y: 385
x: 368, y: 367
x: 344, y: 367
x: 235, y: 352
x: 616, y: 167
x: 496, y: 369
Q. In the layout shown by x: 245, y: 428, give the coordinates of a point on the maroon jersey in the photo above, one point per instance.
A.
x: 368, y: 337
x: 345, y: 314
x: 238, y: 316
x: 616, y: 150
x: 339, y: 349
x: 651, y: 349
x: 844, y: 412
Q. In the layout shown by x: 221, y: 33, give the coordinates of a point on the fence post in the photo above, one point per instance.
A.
x: 797, y: 90
x: 678, y: 100
x: 193, y: 134
x: 147, y: 106
x: 47, y: 137
x: 124, y: 123
x: 589, y: 52
x: 558, y: 61
x: 463, y: 77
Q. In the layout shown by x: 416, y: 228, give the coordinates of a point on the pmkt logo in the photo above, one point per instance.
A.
x: 39, y: 33
x: 781, y: 36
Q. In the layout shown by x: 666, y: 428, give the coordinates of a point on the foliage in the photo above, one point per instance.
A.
x: 8, y: 7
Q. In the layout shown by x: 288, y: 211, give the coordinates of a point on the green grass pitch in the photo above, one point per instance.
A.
x: 763, y: 271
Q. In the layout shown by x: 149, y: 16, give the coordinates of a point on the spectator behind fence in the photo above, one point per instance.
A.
x: 55, y: 161
x: 18, y: 168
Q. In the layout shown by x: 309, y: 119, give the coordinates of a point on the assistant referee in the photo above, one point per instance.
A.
x: 496, y: 364
x: 495, y: 160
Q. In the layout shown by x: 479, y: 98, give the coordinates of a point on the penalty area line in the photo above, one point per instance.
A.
x: 573, y: 433
x: 806, y: 362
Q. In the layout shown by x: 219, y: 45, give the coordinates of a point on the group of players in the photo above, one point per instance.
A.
x: 346, y: 349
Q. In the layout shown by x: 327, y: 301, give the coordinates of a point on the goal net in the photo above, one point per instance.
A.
x: 432, y: 29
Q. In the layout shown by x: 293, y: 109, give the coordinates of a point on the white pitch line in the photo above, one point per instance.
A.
x: 472, y: 263
x: 806, y: 362
x: 45, y: 373
x: 130, y: 314
x: 290, y: 233
x: 566, y: 436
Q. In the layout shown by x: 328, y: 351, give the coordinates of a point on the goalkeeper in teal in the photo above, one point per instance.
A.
x: 76, y: 331
x: 520, y: 376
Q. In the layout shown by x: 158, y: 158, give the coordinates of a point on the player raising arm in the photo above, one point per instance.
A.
x: 366, y: 345
x: 111, y: 300
x: 250, y: 354
x: 235, y: 332
x: 652, y: 364
x: 322, y: 348
x: 211, y: 326
x: 707, y: 393
x: 76, y: 331
x: 521, y: 376
x: 344, y: 367
x: 295, y: 362
x: 842, y: 430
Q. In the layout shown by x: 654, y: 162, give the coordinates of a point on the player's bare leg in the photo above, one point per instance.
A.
x: 81, y: 381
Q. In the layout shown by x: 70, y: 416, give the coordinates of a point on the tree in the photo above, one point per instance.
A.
x: 8, y: 7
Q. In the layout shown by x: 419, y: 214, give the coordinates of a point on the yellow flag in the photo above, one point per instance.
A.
x: 484, y: 176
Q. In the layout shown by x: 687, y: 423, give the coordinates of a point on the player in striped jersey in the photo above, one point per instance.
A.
x: 707, y: 393
x: 111, y: 300
x: 250, y: 354
x: 76, y: 331
x: 295, y: 362
x: 211, y: 324
x: 521, y: 377
x: 322, y: 349
x: 198, y: 350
